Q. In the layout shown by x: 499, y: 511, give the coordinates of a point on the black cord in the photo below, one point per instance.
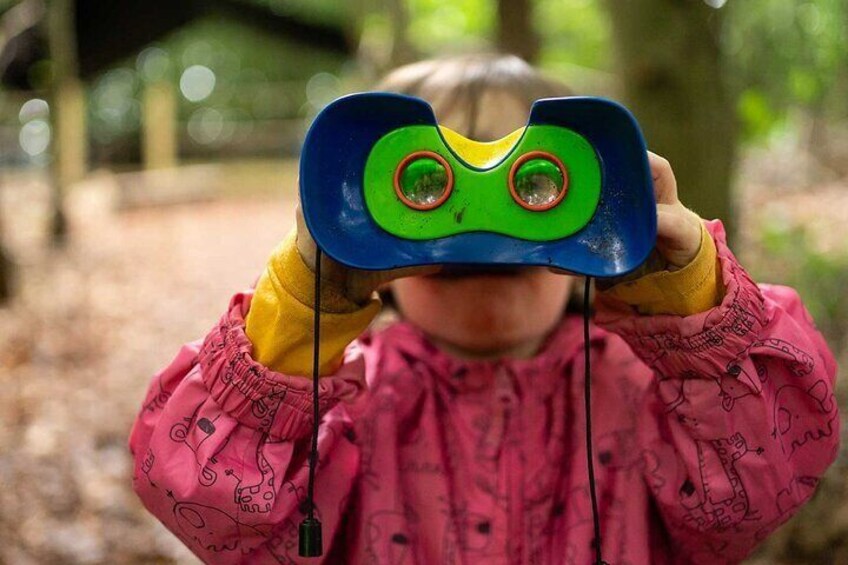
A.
x: 310, y: 543
x: 313, y: 457
x: 587, y: 395
x: 309, y: 535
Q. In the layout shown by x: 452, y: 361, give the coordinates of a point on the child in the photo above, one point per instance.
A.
x: 456, y: 434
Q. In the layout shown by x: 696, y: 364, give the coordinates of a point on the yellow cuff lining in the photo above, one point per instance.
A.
x: 695, y: 288
x: 280, y: 320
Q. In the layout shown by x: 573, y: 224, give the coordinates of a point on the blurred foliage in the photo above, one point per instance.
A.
x: 787, y: 254
x: 436, y: 26
x: 784, y: 56
x: 251, y: 76
x: 784, y: 59
x: 576, y: 43
x: 575, y: 34
x: 820, y: 278
x: 320, y: 11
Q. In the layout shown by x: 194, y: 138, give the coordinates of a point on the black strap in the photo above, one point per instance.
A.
x: 587, y: 395
x: 310, y: 542
x: 309, y: 534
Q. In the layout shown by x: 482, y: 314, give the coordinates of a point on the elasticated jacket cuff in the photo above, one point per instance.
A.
x: 263, y: 399
x: 668, y: 342
x: 695, y: 288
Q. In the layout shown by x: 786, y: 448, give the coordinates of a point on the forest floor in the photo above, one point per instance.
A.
x: 143, y: 270
x: 90, y: 324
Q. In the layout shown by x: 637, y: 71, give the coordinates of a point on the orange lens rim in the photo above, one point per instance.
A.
x: 538, y: 155
x: 406, y: 161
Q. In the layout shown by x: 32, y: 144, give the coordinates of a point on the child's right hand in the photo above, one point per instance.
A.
x: 357, y: 285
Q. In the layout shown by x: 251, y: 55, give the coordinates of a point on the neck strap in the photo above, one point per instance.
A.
x: 310, y: 542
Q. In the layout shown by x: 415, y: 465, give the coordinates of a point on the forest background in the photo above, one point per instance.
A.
x: 148, y: 154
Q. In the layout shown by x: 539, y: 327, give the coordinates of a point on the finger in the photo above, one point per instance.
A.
x: 363, y: 283
x: 308, y: 251
x: 678, y: 234
x: 558, y: 271
x: 298, y: 214
x: 671, y: 225
x: 665, y: 185
x: 410, y: 272
x: 305, y: 245
x: 677, y: 219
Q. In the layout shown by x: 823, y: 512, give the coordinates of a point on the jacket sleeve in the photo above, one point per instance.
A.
x: 221, y: 447
x: 741, y: 420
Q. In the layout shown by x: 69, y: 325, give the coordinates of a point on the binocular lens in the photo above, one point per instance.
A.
x: 538, y: 182
x: 424, y: 181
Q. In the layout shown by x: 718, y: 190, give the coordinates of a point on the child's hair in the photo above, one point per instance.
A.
x: 456, y: 85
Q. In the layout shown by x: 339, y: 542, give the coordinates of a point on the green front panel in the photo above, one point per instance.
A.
x: 481, y: 200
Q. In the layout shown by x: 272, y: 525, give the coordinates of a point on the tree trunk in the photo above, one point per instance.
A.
x: 67, y: 111
x: 159, y: 126
x: 671, y: 64
x: 402, y: 50
x: 516, y: 33
x: 7, y: 274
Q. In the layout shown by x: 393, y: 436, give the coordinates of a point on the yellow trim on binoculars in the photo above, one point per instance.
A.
x: 480, y: 154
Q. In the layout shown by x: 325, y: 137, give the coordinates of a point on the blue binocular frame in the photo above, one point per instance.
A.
x: 617, y: 239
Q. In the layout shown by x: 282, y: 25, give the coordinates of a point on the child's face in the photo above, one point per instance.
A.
x: 487, y: 314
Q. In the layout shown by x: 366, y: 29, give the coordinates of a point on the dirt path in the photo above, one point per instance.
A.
x: 89, y: 328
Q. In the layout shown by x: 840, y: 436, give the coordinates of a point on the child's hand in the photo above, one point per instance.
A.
x: 678, y: 228
x: 357, y: 285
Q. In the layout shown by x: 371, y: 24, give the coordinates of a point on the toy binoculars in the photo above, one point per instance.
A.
x: 383, y: 186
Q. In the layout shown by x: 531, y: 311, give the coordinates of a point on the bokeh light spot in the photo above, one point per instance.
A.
x: 153, y: 64
x: 206, y: 125
x: 35, y: 137
x: 322, y: 89
x: 197, y: 83
x: 32, y: 109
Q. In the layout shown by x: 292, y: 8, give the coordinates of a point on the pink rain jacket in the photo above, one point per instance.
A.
x: 710, y: 431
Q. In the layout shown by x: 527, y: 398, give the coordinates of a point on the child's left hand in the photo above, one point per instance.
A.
x: 678, y: 228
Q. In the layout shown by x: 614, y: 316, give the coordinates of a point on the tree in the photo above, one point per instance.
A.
x: 402, y: 50
x: 671, y: 63
x: 7, y: 274
x: 515, y: 31
x: 66, y: 113
x: 790, y: 66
